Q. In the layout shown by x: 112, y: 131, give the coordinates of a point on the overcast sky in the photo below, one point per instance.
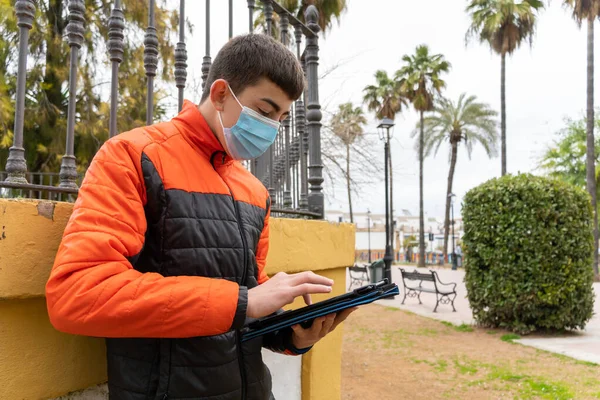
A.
x: 545, y: 84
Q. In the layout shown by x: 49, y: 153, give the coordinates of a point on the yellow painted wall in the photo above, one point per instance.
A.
x: 321, y: 367
x: 38, y: 362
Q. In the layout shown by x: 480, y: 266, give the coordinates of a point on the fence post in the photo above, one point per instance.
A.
x: 181, y: 57
x: 116, y: 24
x: 302, y: 134
x: 150, y: 60
x: 75, y: 31
x: 287, y: 190
x: 316, y: 201
x: 16, y: 165
x: 206, y: 60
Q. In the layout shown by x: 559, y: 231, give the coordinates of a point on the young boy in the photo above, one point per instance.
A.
x: 164, y: 254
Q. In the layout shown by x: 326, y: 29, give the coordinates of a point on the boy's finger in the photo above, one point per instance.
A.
x: 307, y: 299
x: 309, y: 277
x: 308, y: 288
x: 327, y: 324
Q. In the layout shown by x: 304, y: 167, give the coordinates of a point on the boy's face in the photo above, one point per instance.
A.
x: 264, y: 97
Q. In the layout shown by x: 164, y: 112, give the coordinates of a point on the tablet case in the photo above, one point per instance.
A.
x: 306, y: 315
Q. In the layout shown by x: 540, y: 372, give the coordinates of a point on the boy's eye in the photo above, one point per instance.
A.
x: 263, y: 112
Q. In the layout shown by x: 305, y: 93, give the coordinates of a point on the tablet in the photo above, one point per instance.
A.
x: 305, y: 315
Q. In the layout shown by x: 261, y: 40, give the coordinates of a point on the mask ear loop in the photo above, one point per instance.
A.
x: 236, y: 99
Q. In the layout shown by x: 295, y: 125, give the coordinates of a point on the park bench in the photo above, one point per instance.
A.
x: 443, y: 293
x: 358, y: 275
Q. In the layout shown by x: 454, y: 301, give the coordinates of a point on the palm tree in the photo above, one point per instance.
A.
x: 329, y: 10
x: 504, y: 25
x: 420, y: 79
x: 589, y: 10
x: 386, y: 99
x: 347, y: 124
x: 467, y: 121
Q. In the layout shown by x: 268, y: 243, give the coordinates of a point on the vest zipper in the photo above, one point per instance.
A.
x: 243, y: 281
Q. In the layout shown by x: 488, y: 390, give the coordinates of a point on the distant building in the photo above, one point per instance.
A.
x: 405, y: 225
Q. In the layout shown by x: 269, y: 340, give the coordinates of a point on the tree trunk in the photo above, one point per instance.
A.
x: 448, y: 199
x: 503, y: 111
x: 421, y: 216
x: 393, y: 233
x: 348, y: 182
x: 590, y: 156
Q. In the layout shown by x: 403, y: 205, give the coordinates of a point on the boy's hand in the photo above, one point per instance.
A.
x: 322, y: 326
x: 282, y: 289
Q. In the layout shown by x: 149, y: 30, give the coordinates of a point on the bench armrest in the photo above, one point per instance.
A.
x: 442, y: 283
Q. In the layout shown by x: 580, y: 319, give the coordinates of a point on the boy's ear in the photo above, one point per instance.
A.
x: 219, y: 92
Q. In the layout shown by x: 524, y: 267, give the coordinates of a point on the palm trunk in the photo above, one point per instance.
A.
x: 393, y: 233
x: 348, y: 182
x: 421, y: 216
x: 448, y: 198
x: 590, y: 156
x: 503, y: 111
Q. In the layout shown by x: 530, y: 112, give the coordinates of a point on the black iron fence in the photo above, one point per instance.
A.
x: 291, y: 169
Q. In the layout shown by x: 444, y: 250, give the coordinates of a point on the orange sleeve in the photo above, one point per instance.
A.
x: 263, y: 248
x: 93, y: 289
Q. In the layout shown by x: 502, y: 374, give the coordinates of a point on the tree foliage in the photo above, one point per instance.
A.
x: 329, y: 11
x: 503, y: 24
x: 48, y: 74
x: 565, y: 159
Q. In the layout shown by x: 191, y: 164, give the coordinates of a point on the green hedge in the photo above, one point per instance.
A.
x: 528, y: 243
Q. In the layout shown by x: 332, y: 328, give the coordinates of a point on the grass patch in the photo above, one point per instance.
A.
x: 464, y: 328
x: 391, y: 308
x: 510, y: 337
x: 587, y: 363
x: 491, y: 332
x: 546, y: 390
x: 428, y: 332
x: 458, y: 328
x: 441, y: 365
x: 395, y: 339
x: 592, y: 382
x: 505, y: 375
x: 366, y: 331
x: 466, y: 368
x: 532, y: 387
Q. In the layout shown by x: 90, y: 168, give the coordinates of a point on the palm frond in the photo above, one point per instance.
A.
x: 464, y: 121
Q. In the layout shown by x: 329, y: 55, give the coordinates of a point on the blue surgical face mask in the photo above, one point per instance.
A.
x: 251, y: 135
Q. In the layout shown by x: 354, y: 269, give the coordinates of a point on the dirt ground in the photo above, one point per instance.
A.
x: 392, y: 354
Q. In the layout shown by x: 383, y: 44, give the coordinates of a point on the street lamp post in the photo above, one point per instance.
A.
x: 369, y: 230
x: 454, y: 263
x: 384, y: 134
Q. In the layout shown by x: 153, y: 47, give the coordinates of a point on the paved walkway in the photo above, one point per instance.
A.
x: 584, y: 345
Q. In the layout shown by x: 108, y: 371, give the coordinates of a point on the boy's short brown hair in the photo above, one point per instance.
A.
x: 245, y: 59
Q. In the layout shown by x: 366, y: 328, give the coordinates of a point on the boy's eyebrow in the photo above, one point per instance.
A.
x: 272, y: 103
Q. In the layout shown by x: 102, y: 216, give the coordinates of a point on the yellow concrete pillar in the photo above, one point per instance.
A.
x: 322, y: 366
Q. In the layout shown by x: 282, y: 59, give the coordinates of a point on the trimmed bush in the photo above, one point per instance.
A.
x: 529, y: 251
